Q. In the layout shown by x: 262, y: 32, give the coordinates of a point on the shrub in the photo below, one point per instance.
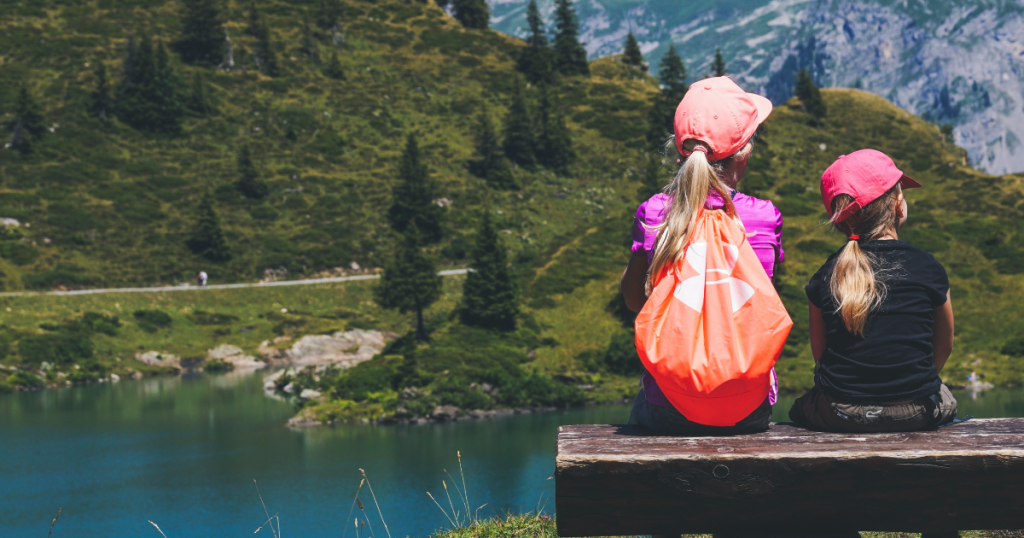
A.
x: 60, y: 276
x: 56, y: 348
x: 18, y: 253
x: 217, y: 366
x: 201, y: 317
x: 25, y: 379
x: 621, y: 357
x: 1014, y: 348
x: 151, y: 320
x: 88, y: 371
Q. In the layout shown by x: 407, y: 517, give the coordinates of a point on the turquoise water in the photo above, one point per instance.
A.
x: 184, y: 452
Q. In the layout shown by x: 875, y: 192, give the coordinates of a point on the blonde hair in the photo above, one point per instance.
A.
x: 689, y: 190
x: 856, y: 284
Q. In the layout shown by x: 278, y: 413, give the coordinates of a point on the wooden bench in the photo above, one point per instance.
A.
x: 615, y: 480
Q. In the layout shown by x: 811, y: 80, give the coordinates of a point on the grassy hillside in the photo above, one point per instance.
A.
x: 103, y: 203
x: 106, y: 204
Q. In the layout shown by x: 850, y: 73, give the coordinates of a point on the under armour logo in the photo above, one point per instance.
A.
x: 691, y: 290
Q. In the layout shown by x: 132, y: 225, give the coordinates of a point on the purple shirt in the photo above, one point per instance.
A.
x: 763, y: 222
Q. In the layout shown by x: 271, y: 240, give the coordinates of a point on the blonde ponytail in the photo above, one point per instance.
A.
x: 856, y: 285
x: 689, y: 191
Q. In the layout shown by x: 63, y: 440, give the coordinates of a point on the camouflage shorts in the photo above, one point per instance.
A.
x: 817, y: 410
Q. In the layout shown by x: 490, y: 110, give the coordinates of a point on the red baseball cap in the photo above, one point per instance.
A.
x: 720, y: 114
x: 865, y: 175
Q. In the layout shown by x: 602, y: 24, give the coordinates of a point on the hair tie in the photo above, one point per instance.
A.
x: 854, y: 237
x: 701, y: 149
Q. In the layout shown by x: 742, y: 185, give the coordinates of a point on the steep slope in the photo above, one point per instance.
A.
x: 953, y: 63
x: 101, y: 203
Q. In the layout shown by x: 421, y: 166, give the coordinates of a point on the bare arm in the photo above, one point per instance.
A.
x: 942, y: 334
x: 633, y: 280
x: 817, y: 331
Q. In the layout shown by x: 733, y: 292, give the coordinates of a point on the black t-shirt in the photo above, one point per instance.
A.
x: 893, y: 362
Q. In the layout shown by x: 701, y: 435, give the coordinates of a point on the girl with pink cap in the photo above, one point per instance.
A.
x: 714, y: 126
x: 881, y: 319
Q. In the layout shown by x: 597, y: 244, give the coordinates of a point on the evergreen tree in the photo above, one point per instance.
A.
x: 265, y: 55
x: 207, y: 238
x: 489, y: 296
x: 809, y: 95
x: 29, y: 124
x: 570, y: 56
x: 327, y: 14
x: 249, y: 183
x: 631, y: 55
x: 652, y: 182
x: 309, y: 45
x: 150, y: 92
x: 472, y: 13
x: 535, y: 59
x: 519, y: 144
x: 554, y: 146
x: 490, y: 162
x: 333, y: 69
x: 202, y: 33
x: 101, y: 96
x: 410, y: 282
x: 718, y: 65
x: 672, y: 78
x: 198, y: 101
x: 412, y: 198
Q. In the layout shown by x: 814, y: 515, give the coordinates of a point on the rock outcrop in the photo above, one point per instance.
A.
x: 341, y: 349
x: 235, y: 356
x: 157, y: 358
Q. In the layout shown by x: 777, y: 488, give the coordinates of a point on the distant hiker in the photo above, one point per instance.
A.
x: 202, y: 277
x: 881, y: 319
x: 714, y: 127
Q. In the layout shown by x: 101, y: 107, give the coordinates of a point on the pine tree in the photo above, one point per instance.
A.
x: 327, y: 14
x: 101, y: 96
x: 198, y: 101
x: 489, y: 296
x: 410, y: 282
x: 29, y: 124
x: 333, y: 69
x: 554, y: 145
x: 207, y: 238
x: 652, y: 182
x: 519, y: 143
x: 265, y: 55
x: 809, y: 95
x: 472, y: 13
x: 718, y: 65
x: 309, y: 45
x: 150, y: 97
x: 570, y: 56
x: 535, y: 60
x: 412, y: 198
x: 490, y: 162
x: 249, y: 183
x: 202, y: 33
x: 672, y: 78
x: 631, y: 55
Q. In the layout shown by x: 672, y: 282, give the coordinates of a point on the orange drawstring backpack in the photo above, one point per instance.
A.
x: 713, y: 326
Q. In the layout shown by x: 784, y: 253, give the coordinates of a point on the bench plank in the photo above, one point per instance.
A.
x: 615, y: 480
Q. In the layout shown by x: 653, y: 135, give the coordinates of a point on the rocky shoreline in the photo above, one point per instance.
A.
x: 441, y: 413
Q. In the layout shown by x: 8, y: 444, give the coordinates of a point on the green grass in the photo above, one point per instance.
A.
x: 109, y: 205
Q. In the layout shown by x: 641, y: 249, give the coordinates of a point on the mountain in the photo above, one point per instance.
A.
x: 956, y: 63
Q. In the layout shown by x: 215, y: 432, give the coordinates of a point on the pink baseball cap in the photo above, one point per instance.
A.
x: 865, y: 175
x: 720, y: 114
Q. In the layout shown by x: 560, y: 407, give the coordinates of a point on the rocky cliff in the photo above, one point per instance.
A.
x: 956, y: 63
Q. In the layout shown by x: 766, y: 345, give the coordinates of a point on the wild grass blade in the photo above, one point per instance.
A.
x: 372, y: 494
x: 157, y: 528
x: 265, y: 511
x: 458, y: 453
x: 350, y: 510
x: 365, y: 518
x: 265, y: 524
x: 441, y: 509
x: 54, y: 522
x: 454, y: 513
x: 457, y: 492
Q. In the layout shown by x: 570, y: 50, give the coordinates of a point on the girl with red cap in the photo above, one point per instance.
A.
x: 880, y: 315
x: 714, y: 126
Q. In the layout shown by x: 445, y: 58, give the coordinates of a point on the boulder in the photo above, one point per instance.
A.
x: 343, y: 349
x: 157, y: 358
x: 235, y: 356
x: 445, y: 413
x: 309, y: 394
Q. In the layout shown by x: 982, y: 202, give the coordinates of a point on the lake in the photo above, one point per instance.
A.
x: 183, y: 452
